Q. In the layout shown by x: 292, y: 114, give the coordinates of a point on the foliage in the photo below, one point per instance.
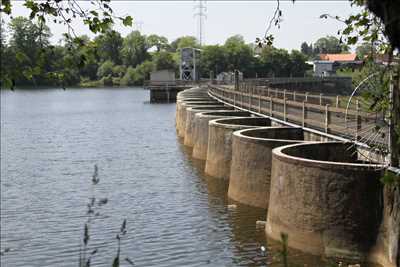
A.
x: 106, y: 69
x: 164, y: 60
x: 159, y: 42
x: 390, y: 178
x: 134, y: 49
x: 213, y: 58
x: 86, y: 253
x: 99, y: 18
x: 109, y: 46
x: 184, y: 41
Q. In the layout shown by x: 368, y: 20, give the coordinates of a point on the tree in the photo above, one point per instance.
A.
x: 134, y: 50
x: 364, y: 50
x: 159, y: 42
x: 27, y: 41
x: 109, y: 45
x: 275, y: 62
x: 305, y: 48
x: 164, y: 60
x: 239, y: 55
x: 213, y: 58
x: 184, y: 41
x: 329, y: 45
x: 106, y: 69
x: 298, y: 65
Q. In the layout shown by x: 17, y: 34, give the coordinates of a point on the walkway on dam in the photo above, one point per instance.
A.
x: 324, y: 115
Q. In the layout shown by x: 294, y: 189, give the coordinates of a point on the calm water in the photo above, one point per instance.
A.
x: 176, y: 216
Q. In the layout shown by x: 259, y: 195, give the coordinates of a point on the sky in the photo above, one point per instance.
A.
x: 172, y: 19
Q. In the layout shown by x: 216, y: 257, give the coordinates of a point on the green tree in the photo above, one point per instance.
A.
x: 27, y: 41
x: 184, y: 41
x: 134, y: 49
x: 213, y: 58
x: 275, y: 62
x: 109, y: 46
x: 365, y: 50
x: 298, y: 66
x: 329, y: 45
x: 106, y: 69
x: 159, y: 42
x: 239, y: 54
x: 164, y: 60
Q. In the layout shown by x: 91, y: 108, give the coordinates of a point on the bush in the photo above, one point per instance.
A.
x: 107, y: 80
x: 106, y: 69
x: 119, y: 71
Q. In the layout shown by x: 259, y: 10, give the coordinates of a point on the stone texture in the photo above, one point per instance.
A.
x: 250, y: 175
x: 325, y: 200
x: 201, y: 129
x: 190, y: 115
x: 219, y: 152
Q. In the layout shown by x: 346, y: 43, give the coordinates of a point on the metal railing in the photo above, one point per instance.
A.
x: 326, y: 114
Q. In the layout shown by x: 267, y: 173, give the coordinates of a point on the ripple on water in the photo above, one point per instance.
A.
x: 176, y: 215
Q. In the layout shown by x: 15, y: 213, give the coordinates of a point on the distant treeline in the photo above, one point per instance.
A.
x: 28, y: 57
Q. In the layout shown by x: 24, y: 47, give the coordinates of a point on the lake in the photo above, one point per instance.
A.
x: 176, y: 215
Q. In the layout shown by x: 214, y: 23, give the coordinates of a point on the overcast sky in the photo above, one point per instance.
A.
x: 172, y: 19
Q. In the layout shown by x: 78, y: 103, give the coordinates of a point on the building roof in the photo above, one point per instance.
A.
x: 338, y: 57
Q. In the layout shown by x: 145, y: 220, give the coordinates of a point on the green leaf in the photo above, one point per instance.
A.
x: 127, y: 21
x: 94, y: 13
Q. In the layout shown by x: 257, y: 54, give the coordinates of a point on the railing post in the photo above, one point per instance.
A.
x: 268, y: 91
x: 259, y: 102
x: 358, y: 119
x: 284, y: 93
x: 294, y: 96
x: 327, y: 118
x: 284, y: 109
x: 337, y: 101
x: 250, y: 96
x: 303, y: 121
x: 320, y: 99
x: 306, y: 97
x: 234, y: 98
x: 271, y: 103
x: 241, y: 100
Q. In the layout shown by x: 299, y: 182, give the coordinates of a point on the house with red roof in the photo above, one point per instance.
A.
x: 327, y: 64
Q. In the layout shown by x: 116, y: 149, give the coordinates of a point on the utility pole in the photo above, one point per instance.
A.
x: 200, y: 13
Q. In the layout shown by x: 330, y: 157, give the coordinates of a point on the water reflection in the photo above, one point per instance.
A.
x: 246, y: 237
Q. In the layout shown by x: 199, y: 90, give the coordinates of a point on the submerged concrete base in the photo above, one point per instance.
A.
x: 250, y: 176
x: 219, y: 152
x: 325, y: 200
x: 190, y: 122
x: 201, y: 129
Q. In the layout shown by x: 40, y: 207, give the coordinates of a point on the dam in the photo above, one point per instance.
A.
x: 288, y: 154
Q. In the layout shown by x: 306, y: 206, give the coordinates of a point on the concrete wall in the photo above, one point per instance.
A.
x: 387, y: 249
x: 182, y: 112
x: 190, y: 115
x: 250, y: 175
x: 325, y: 200
x: 219, y: 152
x: 201, y: 129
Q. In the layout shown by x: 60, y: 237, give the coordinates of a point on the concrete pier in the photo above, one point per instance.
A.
x: 250, y: 176
x: 201, y: 129
x: 219, y: 152
x: 327, y: 201
x: 182, y: 112
x: 190, y: 115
